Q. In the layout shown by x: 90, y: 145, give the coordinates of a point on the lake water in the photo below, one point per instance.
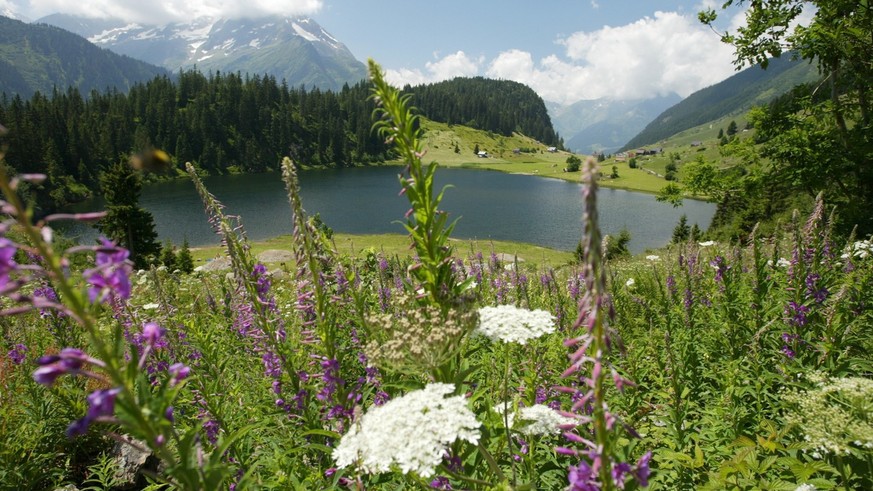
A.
x: 490, y: 205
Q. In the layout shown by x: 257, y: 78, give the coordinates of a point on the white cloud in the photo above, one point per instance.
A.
x: 653, y: 56
x: 165, y: 11
x: 454, y: 65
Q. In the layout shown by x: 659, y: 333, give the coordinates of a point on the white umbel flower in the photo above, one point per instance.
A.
x: 536, y: 420
x: 514, y: 325
x: 411, y: 432
x: 805, y: 487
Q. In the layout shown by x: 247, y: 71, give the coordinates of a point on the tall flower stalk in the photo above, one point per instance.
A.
x: 426, y: 223
x: 599, y: 468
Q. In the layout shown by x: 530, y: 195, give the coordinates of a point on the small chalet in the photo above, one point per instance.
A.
x: 482, y: 154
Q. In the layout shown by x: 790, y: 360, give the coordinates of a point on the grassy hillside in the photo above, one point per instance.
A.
x: 441, y: 139
x: 734, y: 96
x: 681, y: 148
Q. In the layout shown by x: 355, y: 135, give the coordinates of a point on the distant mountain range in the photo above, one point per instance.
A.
x: 38, y: 57
x: 735, y: 95
x: 297, y: 50
x: 604, y: 125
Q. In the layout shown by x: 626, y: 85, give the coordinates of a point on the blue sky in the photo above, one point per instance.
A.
x: 565, y: 50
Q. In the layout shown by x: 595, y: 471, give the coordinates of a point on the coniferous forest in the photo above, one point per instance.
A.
x: 231, y: 123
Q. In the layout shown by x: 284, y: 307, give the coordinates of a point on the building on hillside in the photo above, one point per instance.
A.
x: 482, y: 154
x: 552, y: 149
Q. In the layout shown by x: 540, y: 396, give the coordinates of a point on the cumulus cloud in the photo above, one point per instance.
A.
x: 165, y: 11
x: 454, y: 65
x: 654, y: 56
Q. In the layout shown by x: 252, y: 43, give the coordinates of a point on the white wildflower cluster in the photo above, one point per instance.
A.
x: 708, y: 243
x: 514, y: 325
x: 805, y: 487
x: 861, y: 249
x: 780, y: 263
x: 411, y: 432
x: 630, y: 282
x: 836, y: 417
x: 536, y: 420
x: 653, y: 257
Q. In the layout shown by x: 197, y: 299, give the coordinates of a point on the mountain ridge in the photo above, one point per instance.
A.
x: 296, y: 49
x: 734, y: 95
x: 40, y: 57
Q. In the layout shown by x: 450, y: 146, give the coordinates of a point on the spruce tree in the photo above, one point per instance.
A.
x: 184, y: 261
x: 681, y: 232
x: 168, y: 256
x: 126, y: 223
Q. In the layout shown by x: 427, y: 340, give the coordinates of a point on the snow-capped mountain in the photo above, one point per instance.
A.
x: 295, y: 49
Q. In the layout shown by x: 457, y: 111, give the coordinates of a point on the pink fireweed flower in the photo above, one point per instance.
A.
x: 599, y: 467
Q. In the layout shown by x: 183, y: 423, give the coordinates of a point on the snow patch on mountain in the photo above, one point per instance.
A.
x: 304, y: 33
x: 109, y: 36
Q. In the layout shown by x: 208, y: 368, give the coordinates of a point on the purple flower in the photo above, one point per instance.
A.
x: 101, y: 404
x: 153, y: 334
x: 619, y: 473
x: 796, y: 314
x: 178, y: 373
x: 641, y: 473
x: 583, y: 478
x: 111, y: 273
x: 441, y: 482
x: 262, y: 281
x: 720, y: 267
x: 46, y: 295
x: 788, y: 351
x: 69, y: 360
x: 17, y: 354
x: 671, y: 285
x: 812, y: 291
x: 7, y: 263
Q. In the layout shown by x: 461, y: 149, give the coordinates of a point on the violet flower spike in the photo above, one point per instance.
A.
x: 68, y: 361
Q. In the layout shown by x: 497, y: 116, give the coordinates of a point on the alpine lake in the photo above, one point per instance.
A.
x: 366, y: 200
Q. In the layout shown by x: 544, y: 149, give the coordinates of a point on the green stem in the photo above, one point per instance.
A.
x: 506, y: 355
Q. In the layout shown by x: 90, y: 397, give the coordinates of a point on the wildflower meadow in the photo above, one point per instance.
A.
x: 704, y: 365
